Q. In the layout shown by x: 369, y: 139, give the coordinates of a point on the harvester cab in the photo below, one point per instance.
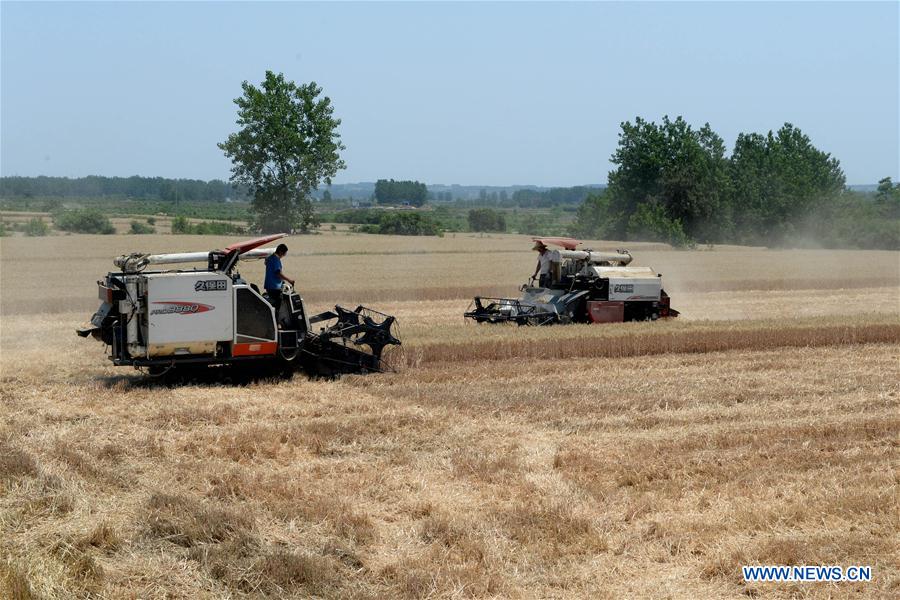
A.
x: 585, y: 286
x: 211, y: 316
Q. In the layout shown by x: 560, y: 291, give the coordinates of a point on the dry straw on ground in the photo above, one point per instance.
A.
x: 636, y: 460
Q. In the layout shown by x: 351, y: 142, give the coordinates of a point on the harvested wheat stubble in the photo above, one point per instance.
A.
x: 357, y: 268
x: 630, y: 460
x: 588, y: 477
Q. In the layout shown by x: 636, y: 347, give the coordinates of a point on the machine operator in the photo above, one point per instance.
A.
x: 275, y: 277
x: 543, y: 265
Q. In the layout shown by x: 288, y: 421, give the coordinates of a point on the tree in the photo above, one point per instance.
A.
x: 886, y: 189
x: 83, y: 221
x: 413, y: 193
x: 675, y: 166
x: 888, y: 193
x: 777, y: 180
x: 406, y: 223
x: 180, y: 225
x: 651, y: 223
x: 36, y: 228
x: 593, y: 218
x: 141, y: 228
x: 486, y: 219
x: 286, y: 146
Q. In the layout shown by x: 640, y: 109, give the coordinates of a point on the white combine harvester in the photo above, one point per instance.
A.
x: 586, y: 286
x: 160, y: 319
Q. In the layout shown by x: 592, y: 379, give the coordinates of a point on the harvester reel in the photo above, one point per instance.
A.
x: 377, y: 335
x: 363, y: 327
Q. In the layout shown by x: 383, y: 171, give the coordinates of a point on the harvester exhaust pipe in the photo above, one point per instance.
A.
x: 620, y: 257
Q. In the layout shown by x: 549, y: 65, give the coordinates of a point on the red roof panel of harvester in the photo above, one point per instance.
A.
x: 567, y: 243
x: 242, y: 247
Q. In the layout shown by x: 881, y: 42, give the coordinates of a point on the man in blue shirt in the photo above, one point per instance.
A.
x: 274, y: 277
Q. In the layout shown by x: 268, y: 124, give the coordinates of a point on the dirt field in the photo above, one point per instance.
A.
x: 632, y: 460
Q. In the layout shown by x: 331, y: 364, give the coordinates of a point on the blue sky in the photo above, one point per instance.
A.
x: 483, y: 94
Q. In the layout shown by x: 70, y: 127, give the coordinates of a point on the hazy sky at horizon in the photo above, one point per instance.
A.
x: 480, y: 94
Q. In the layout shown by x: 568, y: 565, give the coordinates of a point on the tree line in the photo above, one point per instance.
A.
x: 674, y: 183
x: 144, y: 188
x: 523, y: 198
x: 388, y: 191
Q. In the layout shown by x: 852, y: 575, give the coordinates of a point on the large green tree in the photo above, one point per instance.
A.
x: 674, y: 184
x: 288, y: 143
x: 777, y: 180
x: 680, y: 171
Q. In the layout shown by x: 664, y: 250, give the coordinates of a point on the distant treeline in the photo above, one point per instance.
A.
x: 384, y: 191
x: 468, y: 195
x: 413, y: 193
x: 550, y: 198
x: 521, y: 198
x: 456, y: 218
x: 135, y: 187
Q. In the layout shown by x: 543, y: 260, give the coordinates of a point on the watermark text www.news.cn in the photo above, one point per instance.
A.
x: 806, y: 573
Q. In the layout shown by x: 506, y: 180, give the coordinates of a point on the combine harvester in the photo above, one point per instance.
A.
x: 163, y: 319
x: 585, y: 287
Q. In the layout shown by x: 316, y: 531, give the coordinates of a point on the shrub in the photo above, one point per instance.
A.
x: 140, y: 228
x: 849, y: 220
x: 83, y: 221
x: 216, y: 228
x: 486, y: 219
x: 180, y: 225
x: 36, y: 228
x: 401, y: 223
x: 151, y: 220
x: 50, y: 205
x: 365, y: 229
x: 407, y: 223
x: 531, y: 225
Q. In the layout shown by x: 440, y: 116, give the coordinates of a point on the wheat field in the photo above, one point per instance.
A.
x: 637, y: 460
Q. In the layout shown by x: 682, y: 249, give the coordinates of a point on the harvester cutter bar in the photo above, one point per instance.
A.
x: 509, y: 310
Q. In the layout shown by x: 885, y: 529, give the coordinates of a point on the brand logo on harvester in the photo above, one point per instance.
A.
x: 181, y: 308
x: 211, y: 285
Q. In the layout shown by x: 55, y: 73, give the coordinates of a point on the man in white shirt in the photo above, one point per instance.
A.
x: 543, y: 264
